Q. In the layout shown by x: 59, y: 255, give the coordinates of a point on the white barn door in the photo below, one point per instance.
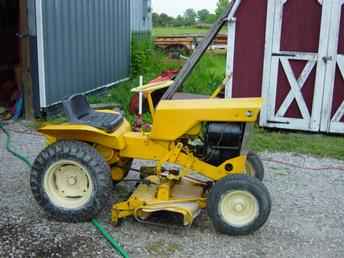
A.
x: 333, y: 103
x: 295, y: 63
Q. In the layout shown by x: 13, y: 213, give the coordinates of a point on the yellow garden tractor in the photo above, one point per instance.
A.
x: 199, y: 149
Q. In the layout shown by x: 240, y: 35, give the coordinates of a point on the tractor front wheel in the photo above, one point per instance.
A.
x: 238, y: 205
x: 254, y: 166
x: 71, y: 181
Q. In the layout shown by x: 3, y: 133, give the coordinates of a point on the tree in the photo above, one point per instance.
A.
x: 221, y: 7
x: 156, y: 19
x: 179, y: 21
x: 165, y: 20
x: 203, y: 15
x: 190, y: 16
x: 211, y: 18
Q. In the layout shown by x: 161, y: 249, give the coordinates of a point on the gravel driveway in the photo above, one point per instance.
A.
x: 307, y: 218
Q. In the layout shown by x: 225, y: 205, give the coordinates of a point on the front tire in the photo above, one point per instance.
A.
x: 238, y: 205
x: 71, y: 181
x: 254, y: 166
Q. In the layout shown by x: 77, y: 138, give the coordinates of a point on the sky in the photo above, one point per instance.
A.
x: 176, y: 7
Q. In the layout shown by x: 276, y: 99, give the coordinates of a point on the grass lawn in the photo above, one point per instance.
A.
x: 305, y: 143
x: 170, y: 31
x: 167, y: 31
x: 206, y: 76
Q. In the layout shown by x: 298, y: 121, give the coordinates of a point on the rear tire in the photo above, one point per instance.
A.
x: 254, y: 166
x: 71, y: 181
x: 239, y: 205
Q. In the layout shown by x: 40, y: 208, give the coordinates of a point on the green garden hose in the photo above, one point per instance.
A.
x: 8, y: 147
x: 108, y: 237
x: 105, y: 234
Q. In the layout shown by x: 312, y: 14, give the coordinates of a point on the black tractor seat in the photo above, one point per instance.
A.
x: 79, y: 111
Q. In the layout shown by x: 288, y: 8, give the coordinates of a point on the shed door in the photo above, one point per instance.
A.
x: 294, y: 68
x: 333, y: 104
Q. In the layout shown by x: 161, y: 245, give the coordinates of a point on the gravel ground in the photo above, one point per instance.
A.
x: 307, y: 218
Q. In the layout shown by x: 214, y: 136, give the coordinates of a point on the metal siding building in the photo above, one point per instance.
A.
x: 83, y: 45
x: 141, y: 16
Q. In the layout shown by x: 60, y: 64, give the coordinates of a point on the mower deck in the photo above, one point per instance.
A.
x: 185, y: 197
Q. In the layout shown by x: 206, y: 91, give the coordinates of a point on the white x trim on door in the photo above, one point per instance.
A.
x: 340, y: 112
x: 296, y: 87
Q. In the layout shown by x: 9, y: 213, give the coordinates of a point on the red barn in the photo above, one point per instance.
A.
x: 290, y: 52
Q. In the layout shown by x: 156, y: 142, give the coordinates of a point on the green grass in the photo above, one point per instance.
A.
x: 172, y: 31
x: 208, y: 74
x: 305, y: 143
x: 169, y: 31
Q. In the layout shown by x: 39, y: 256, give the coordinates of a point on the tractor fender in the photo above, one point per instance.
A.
x: 85, y: 133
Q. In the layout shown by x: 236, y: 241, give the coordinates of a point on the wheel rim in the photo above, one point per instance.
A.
x: 68, y: 184
x: 238, y: 208
x: 250, y: 171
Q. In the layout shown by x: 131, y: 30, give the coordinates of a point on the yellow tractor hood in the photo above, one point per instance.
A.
x: 174, y: 118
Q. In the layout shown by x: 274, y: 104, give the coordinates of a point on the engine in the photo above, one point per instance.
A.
x: 222, y: 141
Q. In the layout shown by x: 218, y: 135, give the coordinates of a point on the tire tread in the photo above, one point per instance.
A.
x: 239, y: 182
x: 87, y: 156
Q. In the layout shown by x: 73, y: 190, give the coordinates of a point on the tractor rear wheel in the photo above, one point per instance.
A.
x: 238, y: 205
x: 71, y: 181
x: 254, y: 166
